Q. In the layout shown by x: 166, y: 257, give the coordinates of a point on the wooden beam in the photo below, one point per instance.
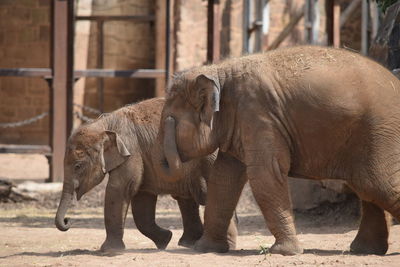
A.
x: 160, y: 53
x: 336, y: 24
x: 332, y: 9
x: 213, y: 31
x: 61, y: 95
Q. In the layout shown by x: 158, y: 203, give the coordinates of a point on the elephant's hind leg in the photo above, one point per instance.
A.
x: 377, y: 195
x: 372, y: 236
x: 143, y: 210
x: 192, y: 226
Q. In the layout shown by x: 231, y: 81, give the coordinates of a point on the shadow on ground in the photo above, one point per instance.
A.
x: 185, y: 251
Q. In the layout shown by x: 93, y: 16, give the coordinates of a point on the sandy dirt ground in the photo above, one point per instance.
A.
x: 28, y: 236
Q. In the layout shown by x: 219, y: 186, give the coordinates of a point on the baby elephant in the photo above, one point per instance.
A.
x: 123, y: 144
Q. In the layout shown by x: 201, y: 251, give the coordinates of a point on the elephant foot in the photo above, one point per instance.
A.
x: 163, y: 239
x: 188, y: 240
x: 286, y: 247
x: 205, y: 245
x: 369, y: 246
x: 112, y: 245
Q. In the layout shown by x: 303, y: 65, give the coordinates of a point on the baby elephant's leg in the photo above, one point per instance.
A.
x: 115, y: 209
x: 143, y: 210
x: 192, y: 226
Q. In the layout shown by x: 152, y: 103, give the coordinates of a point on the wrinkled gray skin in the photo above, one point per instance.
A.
x: 123, y: 144
x: 311, y: 112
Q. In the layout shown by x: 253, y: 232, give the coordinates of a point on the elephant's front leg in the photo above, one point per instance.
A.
x: 269, y: 184
x: 143, y: 210
x: 192, y: 226
x: 115, y: 209
x: 224, y: 188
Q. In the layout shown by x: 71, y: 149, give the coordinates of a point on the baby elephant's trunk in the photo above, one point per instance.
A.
x: 63, y: 223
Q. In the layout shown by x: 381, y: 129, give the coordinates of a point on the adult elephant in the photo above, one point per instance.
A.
x: 123, y: 144
x: 310, y: 112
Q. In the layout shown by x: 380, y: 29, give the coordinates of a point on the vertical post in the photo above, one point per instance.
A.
x: 309, y: 20
x: 332, y: 8
x: 100, y: 62
x: 213, y: 31
x: 258, y: 23
x: 168, y: 38
x: 329, y: 21
x: 162, y: 8
x: 246, y: 25
x: 364, y: 27
x: 336, y: 24
x: 265, y: 25
x: 61, y: 95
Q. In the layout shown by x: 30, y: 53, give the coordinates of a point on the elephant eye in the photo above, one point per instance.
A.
x: 78, y: 166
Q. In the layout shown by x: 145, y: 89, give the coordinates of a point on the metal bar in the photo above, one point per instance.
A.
x: 25, y: 149
x: 100, y: 63
x: 213, y: 31
x: 110, y: 73
x: 310, y: 20
x: 27, y: 72
x: 364, y: 27
x: 257, y: 24
x: 62, y: 65
x: 246, y: 19
x: 147, y: 18
x: 139, y: 73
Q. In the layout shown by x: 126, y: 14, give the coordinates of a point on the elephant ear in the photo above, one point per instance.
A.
x: 208, y: 97
x: 114, y: 152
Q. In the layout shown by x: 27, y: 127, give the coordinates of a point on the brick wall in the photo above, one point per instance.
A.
x: 24, y: 42
x: 127, y: 45
x: 191, y: 31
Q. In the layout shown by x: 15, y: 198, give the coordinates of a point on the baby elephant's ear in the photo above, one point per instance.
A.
x: 114, y: 152
x: 209, y: 96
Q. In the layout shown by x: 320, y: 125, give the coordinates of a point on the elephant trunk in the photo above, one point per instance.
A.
x: 63, y: 223
x: 171, y: 165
